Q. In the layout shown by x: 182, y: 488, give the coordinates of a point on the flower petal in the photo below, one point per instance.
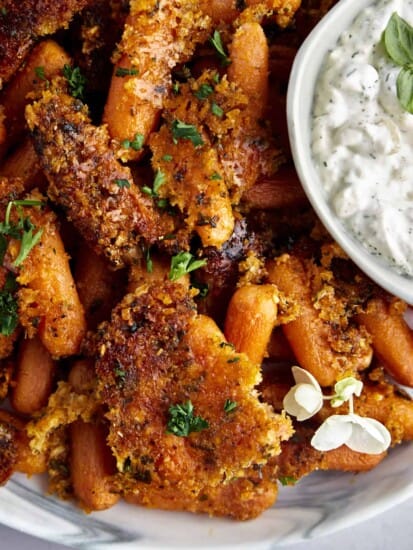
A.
x: 309, y: 398
x: 368, y: 436
x: 332, y: 433
x: 303, y: 401
x: 302, y: 376
x: 347, y: 387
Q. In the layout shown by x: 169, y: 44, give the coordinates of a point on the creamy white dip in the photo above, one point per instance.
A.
x: 362, y: 139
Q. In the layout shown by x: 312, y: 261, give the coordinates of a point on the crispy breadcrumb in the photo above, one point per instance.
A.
x: 96, y: 191
x: 155, y: 353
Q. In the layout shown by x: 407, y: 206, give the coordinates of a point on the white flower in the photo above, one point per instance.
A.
x: 364, y: 435
x: 345, y: 389
x: 304, y: 399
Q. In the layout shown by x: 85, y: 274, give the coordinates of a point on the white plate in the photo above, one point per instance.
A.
x: 320, y: 504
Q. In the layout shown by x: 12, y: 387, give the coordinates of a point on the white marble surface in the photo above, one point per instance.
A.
x: 390, y: 530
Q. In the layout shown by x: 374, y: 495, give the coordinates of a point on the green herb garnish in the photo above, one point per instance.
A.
x: 184, y: 263
x: 287, y: 480
x: 204, y: 91
x: 230, y: 406
x: 123, y: 71
x: 216, y: 41
x: 136, y: 143
x: 76, y: 81
x: 398, y: 43
x: 39, y: 72
x: 182, y: 420
x: 8, y: 313
x: 121, y: 182
x: 216, y: 110
x: 181, y: 130
x: 157, y: 184
x: 215, y: 176
x: 23, y: 230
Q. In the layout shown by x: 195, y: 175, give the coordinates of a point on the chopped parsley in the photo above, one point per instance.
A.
x: 23, y: 230
x: 203, y: 288
x: 182, y: 420
x: 230, y: 406
x: 215, y: 176
x: 226, y: 345
x: 123, y: 71
x: 76, y: 81
x: 184, y: 263
x: 153, y: 191
x: 216, y: 110
x: 204, y: 91
x: 167, y: 158
x: 287, y: 480
x: 3, y: 11
x: 216, y: 41
x: 8, y: 312
x: 181, y: 130
x: 39, y: 72
x: 136, y: 143
x: 120, y: 373
x: 121, y: 182
x: 233, y: 360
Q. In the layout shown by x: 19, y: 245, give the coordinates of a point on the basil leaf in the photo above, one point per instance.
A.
x: 398, y: 40
x: 405, y: 88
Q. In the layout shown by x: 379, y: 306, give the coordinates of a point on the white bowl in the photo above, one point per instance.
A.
x: 300, y: 95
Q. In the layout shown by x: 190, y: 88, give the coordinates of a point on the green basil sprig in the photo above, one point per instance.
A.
x: 398, y: 43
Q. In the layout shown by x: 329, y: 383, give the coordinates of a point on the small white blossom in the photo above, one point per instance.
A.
x: 304, y: 399
x: 345, y: 389
x: 364, y: 435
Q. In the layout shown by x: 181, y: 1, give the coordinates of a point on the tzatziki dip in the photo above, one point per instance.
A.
x: 362, y: 138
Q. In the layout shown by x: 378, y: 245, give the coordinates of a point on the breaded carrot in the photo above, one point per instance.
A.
x: 392, y: 338
x: 250, y: 319
x: 157, y: 36
x: 99, y: 287
x: 308, y: 335
x: 45, y: 61
x: 33, y: 381
x: 24, y: 164
x: 91, y: 462
x: 26, y: 461
x: 48, y: 300
x: 249, y: 65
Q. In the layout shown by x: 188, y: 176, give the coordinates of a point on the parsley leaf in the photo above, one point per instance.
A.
x: 287, y: 480
x: 216, y: 41
x: 121, y: 182
x: 22, y: 230
x: 76, y: 81
x: 8, y: 313
x: 215, y: 176
x: 183, y: 263
x: 39, y: 72
x: 157, y: 184
x: 230, y: 406
x: 204, y: 91
x: 28, y: 241
x: 136, y: 144
x: 123, y: 71
x: 216, y: 110
x: 181, y: 130
x: 182, y: 420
